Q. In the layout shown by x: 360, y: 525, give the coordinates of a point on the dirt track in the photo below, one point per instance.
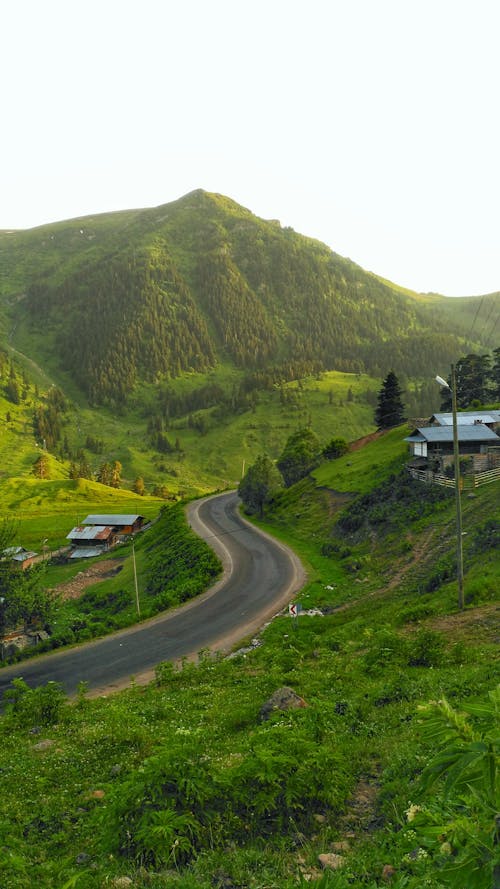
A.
x: 73, y: 589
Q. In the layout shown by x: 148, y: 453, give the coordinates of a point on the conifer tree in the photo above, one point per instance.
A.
x: 390, y: 409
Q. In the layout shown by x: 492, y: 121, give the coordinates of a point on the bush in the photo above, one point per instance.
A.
x: 35, y: 706
x: 427, y: 649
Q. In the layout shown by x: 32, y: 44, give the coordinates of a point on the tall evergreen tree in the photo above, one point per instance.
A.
x: 390, y: 408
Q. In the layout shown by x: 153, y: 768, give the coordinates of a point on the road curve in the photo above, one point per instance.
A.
x: 260, y: 576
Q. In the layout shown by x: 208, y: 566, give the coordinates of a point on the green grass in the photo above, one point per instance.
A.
x: 50, y: 509
x: 266, y: 799
x: 359, y: 471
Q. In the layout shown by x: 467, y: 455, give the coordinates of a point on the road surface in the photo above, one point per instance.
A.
x: 260, y: 577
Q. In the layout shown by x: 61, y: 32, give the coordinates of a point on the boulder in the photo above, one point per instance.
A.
x: 331, y: 860
x: 282, y: 699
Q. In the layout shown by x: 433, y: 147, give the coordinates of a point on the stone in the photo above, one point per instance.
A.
x: 82, y: 858
x: 46, y: 744
x: 282, y: 699
x: 341, y: 846
x: 121, y: 882
x: 331, y: 860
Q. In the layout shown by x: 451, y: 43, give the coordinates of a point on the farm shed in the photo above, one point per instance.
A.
x: 95, y: 537
x: 20, y: 557
x: 123, y: 524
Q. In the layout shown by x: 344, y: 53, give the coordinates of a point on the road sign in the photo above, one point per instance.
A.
x: 294, y: 609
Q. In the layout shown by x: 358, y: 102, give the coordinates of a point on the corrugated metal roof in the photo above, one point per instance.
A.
x: 467, y: 417
x: 90, y: 532
x: 111, y: 519
x: 476, y: 432
x: 86, y: 552
x: 23, y: 556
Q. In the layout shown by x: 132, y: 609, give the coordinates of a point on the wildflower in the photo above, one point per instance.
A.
x: 412, y: 811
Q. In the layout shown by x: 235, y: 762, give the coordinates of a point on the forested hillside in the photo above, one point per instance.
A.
x: 149, y: 294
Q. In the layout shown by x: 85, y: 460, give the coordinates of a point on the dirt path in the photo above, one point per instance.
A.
x: 73, y: 589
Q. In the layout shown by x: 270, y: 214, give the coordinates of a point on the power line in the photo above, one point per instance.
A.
x: 490, y: 338
x: 475, y: 316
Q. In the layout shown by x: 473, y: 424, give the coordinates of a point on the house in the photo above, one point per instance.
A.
x: 20, y: 557
x: 490, y: 418
x: 436, y: 442
x: 90, y: 540
x: 121, y: 524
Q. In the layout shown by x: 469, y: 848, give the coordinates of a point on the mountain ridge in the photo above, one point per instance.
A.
x: 141, y: 295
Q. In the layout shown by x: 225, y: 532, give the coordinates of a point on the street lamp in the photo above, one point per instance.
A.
x: 456, y: 459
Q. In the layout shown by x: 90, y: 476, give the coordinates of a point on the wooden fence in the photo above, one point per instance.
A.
x: 468, y: 482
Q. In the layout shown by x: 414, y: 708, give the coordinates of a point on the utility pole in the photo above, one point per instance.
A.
x: 456, y: 460
x: 456, y: 455
x: 135, y: 579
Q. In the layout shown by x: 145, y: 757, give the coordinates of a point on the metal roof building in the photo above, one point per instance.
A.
x: 116, y: 521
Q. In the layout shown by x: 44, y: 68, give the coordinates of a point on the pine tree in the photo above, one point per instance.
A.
x: 390, y: 409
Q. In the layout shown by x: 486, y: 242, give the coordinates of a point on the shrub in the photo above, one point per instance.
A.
x: 35, y: 706
x: 427, y: 649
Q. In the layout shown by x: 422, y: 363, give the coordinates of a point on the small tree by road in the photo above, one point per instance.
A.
x: 259, y: 485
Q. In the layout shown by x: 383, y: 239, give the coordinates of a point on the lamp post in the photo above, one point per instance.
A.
x: 456, y: 459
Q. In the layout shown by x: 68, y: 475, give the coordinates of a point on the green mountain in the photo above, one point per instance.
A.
x: 114, y: 300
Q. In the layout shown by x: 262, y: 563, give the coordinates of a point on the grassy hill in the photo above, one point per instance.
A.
x: 186, y: 339
x: 182, y: 784
x: 115, y: 300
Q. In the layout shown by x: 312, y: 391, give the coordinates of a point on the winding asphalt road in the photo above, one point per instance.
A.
x: 260, y: 577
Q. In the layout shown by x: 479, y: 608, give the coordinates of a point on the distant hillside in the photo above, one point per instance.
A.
x: 145, y: 295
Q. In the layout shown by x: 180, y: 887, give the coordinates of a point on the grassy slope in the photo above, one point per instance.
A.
x: 353, y: 668
x: 211, y: 461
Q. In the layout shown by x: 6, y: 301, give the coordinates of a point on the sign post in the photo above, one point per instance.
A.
x: 294, y: 610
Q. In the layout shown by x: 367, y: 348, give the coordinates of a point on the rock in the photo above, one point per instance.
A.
x: 116, y: 769
x: 46, y: 744
x: 282, y: 699
x: 121, y: 882
x: 331, y: 860
x: 341, y: 846
x: 82, y: 858
x: 320, y: 819
x: 388, y: 872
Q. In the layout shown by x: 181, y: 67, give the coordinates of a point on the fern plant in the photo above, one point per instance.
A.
x: 458, y: 821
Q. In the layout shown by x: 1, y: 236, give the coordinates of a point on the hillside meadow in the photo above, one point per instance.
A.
x: 182, y: 783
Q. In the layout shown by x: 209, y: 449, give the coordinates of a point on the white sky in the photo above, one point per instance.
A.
x: 372, y: 125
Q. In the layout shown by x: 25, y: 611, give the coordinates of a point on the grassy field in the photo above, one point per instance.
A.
x: 335, y: 406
